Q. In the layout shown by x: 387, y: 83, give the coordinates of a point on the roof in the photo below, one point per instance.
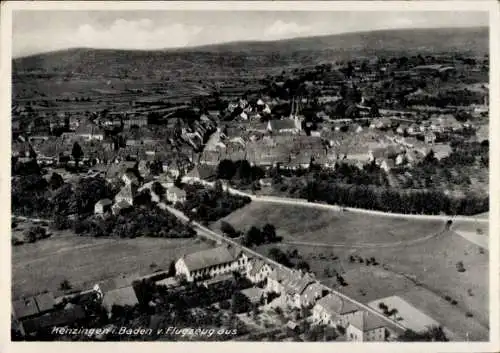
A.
x: 128, y: 191
x: 89, y: 129
x: 202, y: 172
x: 24, y: 307
x: 366, y: 321
x: 331, y: 303
x: 348, y: 307
x: 33, y: 305
x: 283, y: 124
x: 207, y: 258
x: 57, y: 318
x: 177, y: 191
x: 253, y: 293
x: 45, y: 302
x: 121, y: 205
x: 168, y: 282
x: 257, y: 265
x: 104, y: 202
x: 116, y: 170
x: 121, y: 296
x: 294, y: 281
x: 114, y: 283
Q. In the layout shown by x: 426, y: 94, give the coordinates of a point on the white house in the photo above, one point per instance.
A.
x: 102, y: 206
x: 211, y: 262
x: 365, y: 327
x: 89, y: 132
x: 333, y: 310
x: 174, y: 194
x: 258, y: 270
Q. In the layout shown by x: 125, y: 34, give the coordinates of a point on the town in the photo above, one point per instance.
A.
x: 251, y: 204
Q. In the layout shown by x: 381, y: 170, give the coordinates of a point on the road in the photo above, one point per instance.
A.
x: 207, y: 233
x: 324, y: 206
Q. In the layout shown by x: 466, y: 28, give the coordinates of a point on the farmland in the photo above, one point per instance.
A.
x: 84, y: 260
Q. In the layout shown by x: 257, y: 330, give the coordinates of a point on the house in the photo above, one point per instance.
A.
x: 200, y: 172
x: 130, y: 178
x: 102, y: 206
x: 293, y: 284
x: 283, y: 126
x: 124, y: 296
x: 258, y: 270
x: 254, y: 294
x: 387, y: 164
x: 126, y: 194
x: 211, y: 262
x: 175, y: 194
x: 364, y: 327
x: 118, y: 207
x: 89, y: 131
x: 67, y: 316
x: 430, y: 137
x: 116, y: 170
x: 333, y: 310
x: 33, y: 306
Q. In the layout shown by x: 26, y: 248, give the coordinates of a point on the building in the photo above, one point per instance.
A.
x: 284, y: 126
x: 89, y: 132
x: 294, y: 285
x: 211, y: 262
x: 130, y: 178
x: 126, y: 194
x: 102, y: 206
x: 124, y: 296
x: 365, y: 327
x: 258, y: 270
x: 175, y: 194
x: 69, y: 315
x: 118, y: 207
x: 255, y: 295
x: 333, y: 310
x: 33, y: 306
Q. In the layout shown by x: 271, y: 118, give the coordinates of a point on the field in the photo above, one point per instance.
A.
x: 307, y: 225
x: 423, y: 273
x: 84, y: 260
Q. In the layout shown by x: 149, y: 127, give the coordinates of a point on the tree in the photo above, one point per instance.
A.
x: 171, y: 269
x: 303, y: 265
x: 253, y: 237
x: 228, y: 229
x: 226, y: 169
x: 240, y: 303
x: 56, y: 181
x: 158, y: 189
x: 65, y: 285
x: 269, y: 233
x: 77, y: 153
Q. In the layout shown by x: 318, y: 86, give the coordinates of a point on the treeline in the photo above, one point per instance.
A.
x: 135, y: 222
x: 392, y: 200
x: 209, y: 205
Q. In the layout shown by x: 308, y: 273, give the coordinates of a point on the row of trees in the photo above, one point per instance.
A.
x: 393, y: 200
x: 256, y: 236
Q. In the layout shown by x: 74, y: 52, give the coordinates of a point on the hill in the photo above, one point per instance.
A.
x: 250, y: 56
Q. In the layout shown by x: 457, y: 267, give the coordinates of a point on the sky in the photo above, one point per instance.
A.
x: 42, y: 31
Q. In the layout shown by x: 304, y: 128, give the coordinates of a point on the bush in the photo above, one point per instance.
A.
x: 65, y: 285
x: 225, y: 304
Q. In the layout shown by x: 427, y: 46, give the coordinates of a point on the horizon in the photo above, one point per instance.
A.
x: 150, y: 31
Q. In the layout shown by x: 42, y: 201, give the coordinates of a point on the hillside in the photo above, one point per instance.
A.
x: 256, y: 55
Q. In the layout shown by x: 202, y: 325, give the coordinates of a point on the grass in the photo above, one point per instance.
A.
x: 83, y: 260
x: 303, y: 224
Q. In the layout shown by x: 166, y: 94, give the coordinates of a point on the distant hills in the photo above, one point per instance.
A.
x: 305, y: 51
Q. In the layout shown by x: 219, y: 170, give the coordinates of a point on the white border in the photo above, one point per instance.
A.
x: 5, y: 104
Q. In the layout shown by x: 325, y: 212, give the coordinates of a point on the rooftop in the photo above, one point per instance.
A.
x: 207, y: 258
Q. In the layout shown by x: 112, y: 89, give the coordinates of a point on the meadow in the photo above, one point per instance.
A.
x: 84, y: 261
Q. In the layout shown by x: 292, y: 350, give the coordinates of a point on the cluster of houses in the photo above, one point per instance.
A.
x: 291, y: 288
x: 295, y: 290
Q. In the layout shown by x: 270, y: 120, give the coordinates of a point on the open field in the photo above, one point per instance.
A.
x: 303, y: 224
x: 84, y: 260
